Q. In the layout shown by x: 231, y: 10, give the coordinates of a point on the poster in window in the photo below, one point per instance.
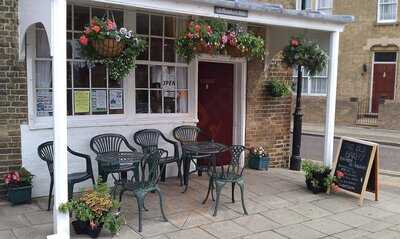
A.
x: 116, y: 102
x: 169, y: 79
x: 44, y: 105
x: 99, y: 100
x: 81, y: 101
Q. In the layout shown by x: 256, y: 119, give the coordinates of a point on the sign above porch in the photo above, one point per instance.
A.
x: 231, y: 11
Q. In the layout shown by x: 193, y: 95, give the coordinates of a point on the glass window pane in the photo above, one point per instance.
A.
x: 43, y: 74
x: 81, y: 18
x: 142, y: 23
x: 99, y: 13
x: 156, y: 74
x: 182, y: 74
x: 99, y: 101
x: 142, y: 101
x: 385, y: 56
x: 118, y: 17
x: 44, y: 103
x: 69, y: 17
x: 156, y: 25
x: 169, y: 79
x: 182, y: 101
x: 69, y: 102
x: 145, y: 54
x: 116, y: 102
x: 42, y: 44
x: 76, y: 47
x: 169, y: 101
x: 388, y: 11
x: 99, y: 76
x: 155, y: 101
x: 69, y: 45
x: 141, y: 76
x: 169, y: 50
x: 170, y: 27
x: 81, y: 75
x: 305, y: 85
x: 115, y: 83
x: 69, y: 75
x: 156, y: 49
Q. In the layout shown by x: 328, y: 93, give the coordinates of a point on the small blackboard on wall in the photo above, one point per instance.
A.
x: 359, y: 162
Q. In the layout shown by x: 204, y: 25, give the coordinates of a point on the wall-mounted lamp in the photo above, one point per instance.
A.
x: 365, y: 68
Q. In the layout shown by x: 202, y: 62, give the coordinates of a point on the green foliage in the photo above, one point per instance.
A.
x: 279, y: 88
x: 214, y: 36
x: 18, y: 178
x: 318, y: 174
x: 100, y: 30
x: 96, y: 207
x: 306, y: 53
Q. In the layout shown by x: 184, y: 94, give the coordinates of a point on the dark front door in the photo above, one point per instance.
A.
x: 383, y: 86
x: 215, y: 107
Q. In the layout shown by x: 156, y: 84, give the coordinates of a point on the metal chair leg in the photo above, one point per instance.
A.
x: 233, y: 192
x: 180, y: 172
x: 241, y: 185
x: 162, y: 204
x: 219, y: 186
x: 70, y: 190
x: 140, y: 202
x: 210, y: 182
x: 50, y: 194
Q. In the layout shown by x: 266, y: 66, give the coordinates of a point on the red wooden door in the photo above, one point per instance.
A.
x: 384, y: 81
x: 215, y: 107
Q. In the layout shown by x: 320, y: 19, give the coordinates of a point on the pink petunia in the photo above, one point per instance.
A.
x: 83, y: 40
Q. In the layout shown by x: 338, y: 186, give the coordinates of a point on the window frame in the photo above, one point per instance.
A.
x: 325, y: 9
x: 378, y: 15
x: 308, y: 78
x: 129, y: 117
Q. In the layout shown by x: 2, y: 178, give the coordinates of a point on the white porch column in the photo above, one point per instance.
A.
x: 58, y: 35
x: 331, y: 99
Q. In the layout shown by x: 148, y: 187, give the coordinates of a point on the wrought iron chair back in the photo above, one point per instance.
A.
x: 151, y: 161
x: 236, y: 152
x: 109, y: 143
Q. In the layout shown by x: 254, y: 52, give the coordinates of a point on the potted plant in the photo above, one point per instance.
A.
x: 318, y: 178
x: 259, y: 159
x: 19, y: 186
x: 279, y: 88
x: 102, y: 42
x: 93, y: 210
x: 212, y: 36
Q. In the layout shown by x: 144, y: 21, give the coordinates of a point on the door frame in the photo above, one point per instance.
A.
x: 239, y: 92
x: 371, y: 90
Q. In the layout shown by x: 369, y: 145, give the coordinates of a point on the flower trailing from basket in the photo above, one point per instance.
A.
x: 97, y: 208
x: 102, y: 42
x: 259, y: 151
x: 305, y: 53
x: 279, y: 88
x: 18, y: 178
x: 212, y: 36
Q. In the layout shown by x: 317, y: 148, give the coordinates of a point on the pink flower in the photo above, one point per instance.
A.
x: 339, y: 174
x: 294, y: 43
x: 189, y: 35
x: 96, y: 29
x: 83, y: 40
x: 209, y: 29
x: 197, y: 28
x: 93, y: 225
x: 111, y: 25
x: 224, y: 39
x: 87, y: 30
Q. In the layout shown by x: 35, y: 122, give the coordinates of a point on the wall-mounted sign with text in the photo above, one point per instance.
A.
x: 231, y: 11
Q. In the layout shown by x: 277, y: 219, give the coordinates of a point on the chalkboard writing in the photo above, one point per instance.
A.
x: 353, y: 161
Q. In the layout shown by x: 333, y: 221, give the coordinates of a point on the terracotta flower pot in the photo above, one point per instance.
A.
x: 108, y: 47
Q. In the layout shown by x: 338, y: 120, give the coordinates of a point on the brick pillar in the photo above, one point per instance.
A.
x: 13, y: 90
x: 268, y: 118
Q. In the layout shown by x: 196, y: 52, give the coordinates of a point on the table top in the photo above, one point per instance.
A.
x: 120, y: 157
x: 204, y: 147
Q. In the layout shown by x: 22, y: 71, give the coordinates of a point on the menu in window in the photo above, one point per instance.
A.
x: 116, y: 102
x: 81, y: 101
x: 44, y: 103
x: 99, y: 100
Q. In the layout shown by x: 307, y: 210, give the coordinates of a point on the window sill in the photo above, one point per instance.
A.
x: 87, y: 122
x: 394, y: 23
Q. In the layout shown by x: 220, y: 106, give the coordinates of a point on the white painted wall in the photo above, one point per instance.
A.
x: 78, y: 140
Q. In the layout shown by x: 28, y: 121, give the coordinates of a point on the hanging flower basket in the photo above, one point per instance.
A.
x: 212, y: 36
x: 102, y: 42
x: 108, y: 47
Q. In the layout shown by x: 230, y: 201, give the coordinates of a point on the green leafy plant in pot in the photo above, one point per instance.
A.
x: 19, y: 186
x: 279, y: 88
x: 318, y: 178
x: 93, y: 210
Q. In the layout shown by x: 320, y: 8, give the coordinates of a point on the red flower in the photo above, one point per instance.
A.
x: 339, y: 174
x: 87, y: 31
x: 96, y: 29
x: 209, y: 29
x: 197, y: 28
x: 111, y: 25
x: 83, y: 40
x: 294, y: 43
x: 335, y: 188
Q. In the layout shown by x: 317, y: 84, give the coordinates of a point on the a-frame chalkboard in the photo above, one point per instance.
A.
x: 358, y: 160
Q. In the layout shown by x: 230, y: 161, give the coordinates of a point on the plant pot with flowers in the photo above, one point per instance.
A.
x: 259, y: 159
x: 102, y: 42
x: 19, y: 186
x: 93, y: 211
x: 318, y: 177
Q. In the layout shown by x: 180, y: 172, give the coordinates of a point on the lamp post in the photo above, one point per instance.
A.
x: 295, y: 159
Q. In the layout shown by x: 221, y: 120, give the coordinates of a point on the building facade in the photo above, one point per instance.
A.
x: 368, y: 90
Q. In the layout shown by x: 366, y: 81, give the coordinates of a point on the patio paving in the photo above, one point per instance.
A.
x: 279, y: 207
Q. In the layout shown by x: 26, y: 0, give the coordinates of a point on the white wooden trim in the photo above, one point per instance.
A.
x: 331, y: 100
x: 378, y: 13
x: 59, y: 46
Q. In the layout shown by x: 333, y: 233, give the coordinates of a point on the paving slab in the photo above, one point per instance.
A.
x: 299, y: 231
x: 285, y: 216
x: 226, y: 230
x: 256, y: 223
x: 373, y: 212
x: 7, y: 234
x: 385, y: 234
x: 265, y: 235
x: 351, y: 219
x: 327, y: 226
x: 375, y: 226
x: 352, y: 234
x: 310, y: 210
x: 194, y: 233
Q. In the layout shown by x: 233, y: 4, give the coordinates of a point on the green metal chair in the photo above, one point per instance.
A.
x: 147, y: 182
x: 231, y: 173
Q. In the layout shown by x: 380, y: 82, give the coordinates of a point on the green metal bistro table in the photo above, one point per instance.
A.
x: 202, y: 150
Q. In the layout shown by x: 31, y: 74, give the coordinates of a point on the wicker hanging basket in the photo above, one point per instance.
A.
x: 203, y: 49
x: 108, y: 47
x: 235, y: 52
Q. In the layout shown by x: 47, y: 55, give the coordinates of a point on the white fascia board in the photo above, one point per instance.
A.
x: 191, y: 8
